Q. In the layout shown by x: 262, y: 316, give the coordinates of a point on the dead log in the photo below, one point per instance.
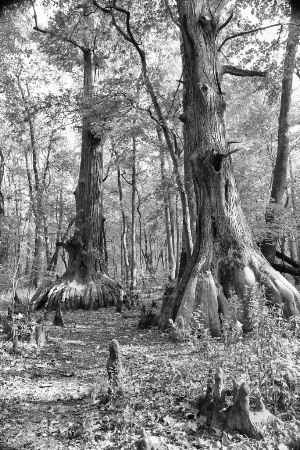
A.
x: 58, y: 320
x: 236, y: 417
x: 114, y: 366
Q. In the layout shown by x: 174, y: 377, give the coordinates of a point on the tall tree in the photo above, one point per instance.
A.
x: 279, y: 183
x: 85, y: 284
x: 225, y: 258
x: 118, y: 14
x: 133, y: 216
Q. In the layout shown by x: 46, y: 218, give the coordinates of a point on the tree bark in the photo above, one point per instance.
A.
x: 225, y: 258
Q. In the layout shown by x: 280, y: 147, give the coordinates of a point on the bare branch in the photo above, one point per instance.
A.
x: 226, y: 22
x: 243, y: 33
x: 236, y: 71
x: 167, y: 4
x: 286, y: 269
x: 287, y: 259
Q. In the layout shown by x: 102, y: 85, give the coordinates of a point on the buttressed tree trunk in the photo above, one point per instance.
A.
x: 225, y: 258
x: 85, y: 284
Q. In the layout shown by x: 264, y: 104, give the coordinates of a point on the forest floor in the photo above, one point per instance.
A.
x: 52, y: 398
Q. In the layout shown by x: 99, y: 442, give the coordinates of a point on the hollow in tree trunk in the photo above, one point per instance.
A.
x: 225, y: 258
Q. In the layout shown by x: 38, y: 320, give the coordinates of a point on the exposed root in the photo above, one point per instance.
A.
x: 99, y: 293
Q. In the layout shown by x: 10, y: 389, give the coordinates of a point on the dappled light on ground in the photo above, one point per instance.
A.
x: 56, y: 397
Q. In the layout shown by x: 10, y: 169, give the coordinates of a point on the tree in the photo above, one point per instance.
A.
x: 225, y: 257
x: 279, y: 183
x: 125, y: 30
x: 85, y: 284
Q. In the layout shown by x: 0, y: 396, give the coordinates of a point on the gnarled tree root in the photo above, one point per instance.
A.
x: 77, y: 294
x: 237, y: 417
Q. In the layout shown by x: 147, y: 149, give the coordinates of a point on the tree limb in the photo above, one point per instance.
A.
x: 287, y: 259
x: 236, y: 71
x: 167, y: 4
x: 226, y: 22
x: 63, y: 38
x: 243, y: 33
x: 286, y: 269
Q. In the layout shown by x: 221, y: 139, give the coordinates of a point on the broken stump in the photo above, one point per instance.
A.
x: 236, y: 417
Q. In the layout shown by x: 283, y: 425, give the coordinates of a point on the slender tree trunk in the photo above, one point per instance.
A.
x: 225, y: 258
x: 279, y: 184
x: 46, y: 238
x: 125, y: 256
x: 177, y: 239
x: 133, y: 218
x: 3, y: 235
x: 170, y: 247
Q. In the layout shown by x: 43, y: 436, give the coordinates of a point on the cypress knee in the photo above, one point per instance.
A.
x: 114, y: 365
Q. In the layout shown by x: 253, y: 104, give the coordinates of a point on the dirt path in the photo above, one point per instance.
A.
x: 50, y: 399
x: 56, y: 399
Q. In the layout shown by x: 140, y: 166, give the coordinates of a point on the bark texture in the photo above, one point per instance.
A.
x: 225, y: 258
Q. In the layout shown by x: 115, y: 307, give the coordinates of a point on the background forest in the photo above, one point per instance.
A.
x: 117, y: 190
x: 41, y: 107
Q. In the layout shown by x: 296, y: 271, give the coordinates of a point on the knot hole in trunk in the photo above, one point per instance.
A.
x: 217, y: 160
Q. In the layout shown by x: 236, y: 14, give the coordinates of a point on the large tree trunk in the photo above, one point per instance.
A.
x: 85, y: 284
x: 225, y: 258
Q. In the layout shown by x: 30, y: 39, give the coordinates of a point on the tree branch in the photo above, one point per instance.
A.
x: 127, y: 36
x: 287, y: 259
x: 63, y: 38
x: 286, y: 269
x: 167, y: 5
x: 243, y: 33
x: 226, y: 22
x: 236, y: 71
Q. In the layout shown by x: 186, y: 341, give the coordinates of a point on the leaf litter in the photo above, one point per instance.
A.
x: 56, y: 398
